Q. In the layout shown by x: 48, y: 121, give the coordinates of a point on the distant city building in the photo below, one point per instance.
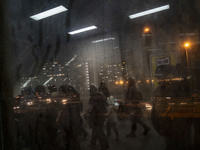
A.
x: 110, y: 73
x: 76, y: 74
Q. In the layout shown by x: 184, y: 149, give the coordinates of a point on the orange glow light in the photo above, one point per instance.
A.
x: 146, y: 29
x: 186, y: 44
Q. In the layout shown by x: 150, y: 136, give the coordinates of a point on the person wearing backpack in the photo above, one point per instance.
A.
x: 133, y: 98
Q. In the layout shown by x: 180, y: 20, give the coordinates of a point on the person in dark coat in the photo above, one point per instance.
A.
x: 69, y: 121
x: 104, y: 89
x: 97, y: 111
x: 133, y: 98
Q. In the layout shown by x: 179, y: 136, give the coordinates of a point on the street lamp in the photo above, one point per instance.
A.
x: 146, y: 30
x: 146, y: 45
x: 187, y: 45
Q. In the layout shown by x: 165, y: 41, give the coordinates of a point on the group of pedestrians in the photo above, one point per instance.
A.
x: 101, y: 110
x: 102, y: 107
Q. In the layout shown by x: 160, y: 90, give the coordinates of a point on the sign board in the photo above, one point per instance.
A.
x: 165, y: 60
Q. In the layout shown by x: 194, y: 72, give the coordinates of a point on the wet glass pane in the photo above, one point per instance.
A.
x: 100, y: 74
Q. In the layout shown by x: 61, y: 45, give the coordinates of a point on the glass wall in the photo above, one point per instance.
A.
x: 145, y: 52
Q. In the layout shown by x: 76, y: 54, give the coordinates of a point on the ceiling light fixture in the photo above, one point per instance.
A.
x: 97, y: 41
x: 48, y: 13
x: 27, y: 82
x: 48, y: 80
x: 82, y: 30
x: 151, y: 11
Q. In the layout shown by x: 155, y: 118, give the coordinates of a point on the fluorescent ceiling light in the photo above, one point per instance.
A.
x: 67, y: 64
x: 151, y: 11
x: 82, y: 30
x: 49, y: 13
x: 48, y: 80
x: 27, y: 82
x: 97, y: 41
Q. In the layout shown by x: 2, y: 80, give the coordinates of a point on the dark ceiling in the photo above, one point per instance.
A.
x: 42, y: 40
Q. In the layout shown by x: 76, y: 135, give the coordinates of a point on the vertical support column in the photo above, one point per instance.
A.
x: 7, y: 124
